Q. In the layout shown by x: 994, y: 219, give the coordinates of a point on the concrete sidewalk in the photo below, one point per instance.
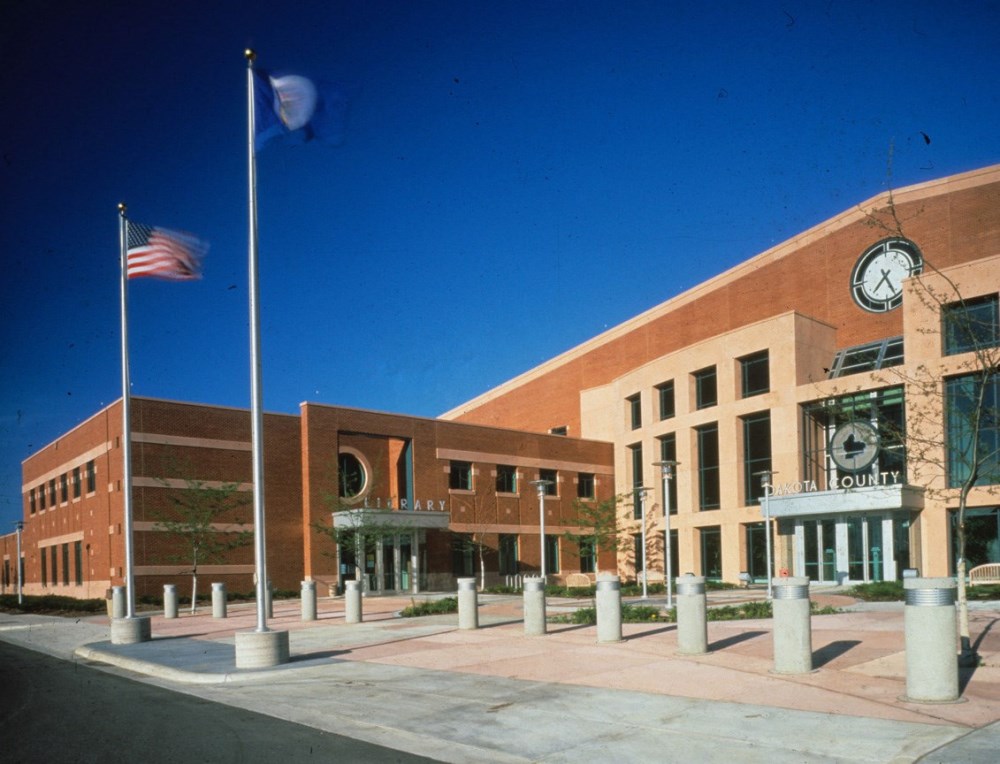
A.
x: 492, y: 694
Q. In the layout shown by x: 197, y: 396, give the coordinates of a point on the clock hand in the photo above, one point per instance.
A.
x: 885, y: 278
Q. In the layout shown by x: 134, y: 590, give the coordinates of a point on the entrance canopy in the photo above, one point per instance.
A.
x: 875, y: 499
x: 389, y: 520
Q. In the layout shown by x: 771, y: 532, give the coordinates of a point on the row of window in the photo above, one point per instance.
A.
x: 460, y: 478
x: 57, y: 492
x: 50, y: 563
x: 463, y: 559
x: 755, y: 379
x: 756, y: 463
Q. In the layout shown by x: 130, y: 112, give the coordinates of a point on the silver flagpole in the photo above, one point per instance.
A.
x: 257, y: 417
x: 126, y: 417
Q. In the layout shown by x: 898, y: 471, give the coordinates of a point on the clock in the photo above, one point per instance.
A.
x: 854, y: 446
x: 877, y: 278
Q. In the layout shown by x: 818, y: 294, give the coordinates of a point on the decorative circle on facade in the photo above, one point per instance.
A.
x: 854, y: 446
x: 353, y: 476
x: 877, y: 278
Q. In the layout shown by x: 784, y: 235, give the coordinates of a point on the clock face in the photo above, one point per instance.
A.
x: 877, y: 279
x: 854, y: 446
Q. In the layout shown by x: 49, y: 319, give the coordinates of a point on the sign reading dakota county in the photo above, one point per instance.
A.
x: 870, y: 492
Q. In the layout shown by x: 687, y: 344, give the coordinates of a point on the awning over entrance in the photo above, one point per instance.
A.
x: 386, y: 520
x: 875, y: 499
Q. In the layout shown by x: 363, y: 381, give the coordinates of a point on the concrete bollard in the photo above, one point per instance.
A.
x: 308, y: 600
x: 534, y: 607
x: 169, y: 601
x: 609, y: 608
x: 468, y: 604
x: 218, y: 600
x: 352, y: 602
x: 692, y: 618
x: 117, y: 601
x: 792, y: 625
x: 931, y: 634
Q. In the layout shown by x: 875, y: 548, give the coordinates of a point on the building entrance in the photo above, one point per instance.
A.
x: 858, y: 548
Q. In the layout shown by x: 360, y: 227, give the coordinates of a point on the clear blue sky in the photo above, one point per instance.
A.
x: 516, y: 178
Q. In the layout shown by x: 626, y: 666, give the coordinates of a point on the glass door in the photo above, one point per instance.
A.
x: 866, y: 554
x: 405, y: 562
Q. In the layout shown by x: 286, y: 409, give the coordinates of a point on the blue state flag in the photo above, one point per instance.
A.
x: 294, y: 107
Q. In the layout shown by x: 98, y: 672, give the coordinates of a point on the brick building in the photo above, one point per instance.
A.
x: 438, y: 491
x: 845, y: 341
x: 825, y: 382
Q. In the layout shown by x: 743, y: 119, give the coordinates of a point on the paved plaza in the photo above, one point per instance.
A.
x: 493, y: 694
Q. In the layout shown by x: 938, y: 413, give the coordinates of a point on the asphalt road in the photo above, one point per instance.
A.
x: 60, y: 711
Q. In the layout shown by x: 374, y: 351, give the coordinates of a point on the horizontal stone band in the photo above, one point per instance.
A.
x: 791, y: 592
x: 930, y: 597
x: 687, y: 590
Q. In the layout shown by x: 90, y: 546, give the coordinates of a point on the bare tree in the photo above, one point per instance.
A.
x: 205, y: 518
x: 953, y: 405
x: 599, y: 524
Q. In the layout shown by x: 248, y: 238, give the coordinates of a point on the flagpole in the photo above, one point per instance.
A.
x: 257, y: 417
x: 126, y: 417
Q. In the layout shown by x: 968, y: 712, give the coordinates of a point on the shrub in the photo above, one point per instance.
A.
x: 431, y: 607
x: 878, y: 591
x: 51, y: 603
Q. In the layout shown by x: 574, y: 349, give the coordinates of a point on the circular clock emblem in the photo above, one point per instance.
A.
x: 854, y: 446
x: 877, y: 279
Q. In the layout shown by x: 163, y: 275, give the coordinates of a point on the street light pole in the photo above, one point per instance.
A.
x: 765, y: 482
x: 667, y: 470
x: 642, y: 506
x: 541, y: 485
x: 19, y: 525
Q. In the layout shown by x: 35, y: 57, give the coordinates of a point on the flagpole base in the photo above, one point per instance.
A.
x: 130, y: 631
x: 261, y: 649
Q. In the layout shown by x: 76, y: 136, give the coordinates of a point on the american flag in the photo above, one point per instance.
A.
x: 163, y: 254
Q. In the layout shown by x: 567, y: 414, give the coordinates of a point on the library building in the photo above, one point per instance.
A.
x: 824, y: 409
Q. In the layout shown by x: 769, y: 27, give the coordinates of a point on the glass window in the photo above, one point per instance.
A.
x: 634, y: 405
x: 665, y: 396
x: 91, y: 476
x: 77, y: 483
x: 552, y: 489
x: 52, y: 490
x: 970, y: 325
x: 506, y: 478
x: 508, y: 554
x: 706, y: 388
x: 551, y: 554
x: 352, y: 475
x: 964, y: 415
x: 755, y: 374
x: 638, y: 554
x: 982, y: 536
x: 870, y: 357
x: 709, y: 496
x: 668, y: 453
x: 64, y: 487
x: 882, y: 409
x: 636, y: 454
x: 65, y: 564
x: 54, y: 560
x: 45, y: 567
x: 462, y: 557
x: 460, y: 476
x: 588, y: 557
x: 756, y: 454
x: 585, y: 485
x: 41, y: 496
x: 711, y: 552
x: 78, y: 558
x: 31, y: 500
x: 561, y: 430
